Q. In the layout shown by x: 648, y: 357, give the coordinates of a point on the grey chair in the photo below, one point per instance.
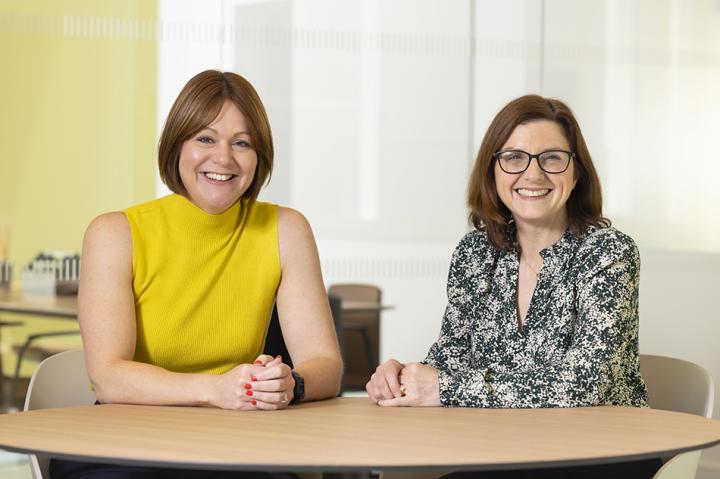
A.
x: 678, y: 385
x: 59, y: 381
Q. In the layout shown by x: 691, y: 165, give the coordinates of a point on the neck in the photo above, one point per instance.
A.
x: 534, y: 238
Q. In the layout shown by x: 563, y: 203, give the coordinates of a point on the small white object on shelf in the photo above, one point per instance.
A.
x: 38, y: 282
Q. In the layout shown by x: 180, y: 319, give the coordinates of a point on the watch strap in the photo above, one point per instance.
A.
x: 299, y: 389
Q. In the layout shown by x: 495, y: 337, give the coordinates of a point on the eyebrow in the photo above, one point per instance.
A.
x: 514, y: 148
x: 234, y: 134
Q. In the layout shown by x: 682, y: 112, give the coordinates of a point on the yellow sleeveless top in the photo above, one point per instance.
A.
x: 204, y: 284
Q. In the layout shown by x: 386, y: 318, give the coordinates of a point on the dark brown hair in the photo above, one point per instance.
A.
x: 487, y: 211
x: 197, y: 105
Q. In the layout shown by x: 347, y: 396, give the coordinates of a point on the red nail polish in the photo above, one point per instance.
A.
x: 248, y: 386
x: 249, y: 393
x: 254, y: 402
x: 253, y: 378
x: 258, y: 362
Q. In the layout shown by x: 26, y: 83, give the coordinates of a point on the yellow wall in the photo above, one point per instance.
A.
x: 77, y: 128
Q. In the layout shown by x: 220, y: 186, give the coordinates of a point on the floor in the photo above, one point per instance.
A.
x: 14, y: 466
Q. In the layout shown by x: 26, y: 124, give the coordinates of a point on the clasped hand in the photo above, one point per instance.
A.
x: 397, y: 384
x: 266, y: 384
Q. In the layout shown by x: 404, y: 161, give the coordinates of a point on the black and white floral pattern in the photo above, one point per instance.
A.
x: 579, y: 342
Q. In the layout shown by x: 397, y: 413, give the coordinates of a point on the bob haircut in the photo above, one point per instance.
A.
x: 198, y: 104
x: 487, y: 211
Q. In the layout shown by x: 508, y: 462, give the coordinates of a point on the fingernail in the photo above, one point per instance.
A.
x: 248, y: 386
x: 258, y: 362
x: 254, y: 402
x: 253, y: 378
x: 249, y: 393
x: 278, y: 356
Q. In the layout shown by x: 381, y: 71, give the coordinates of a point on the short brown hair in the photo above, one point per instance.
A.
x: 197, y: 105
x: 487, y: 211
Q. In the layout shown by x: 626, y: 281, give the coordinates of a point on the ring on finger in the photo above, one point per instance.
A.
x: 403, y: 390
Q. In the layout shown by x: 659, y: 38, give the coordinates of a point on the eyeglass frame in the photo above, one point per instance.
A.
x: 537, y: 157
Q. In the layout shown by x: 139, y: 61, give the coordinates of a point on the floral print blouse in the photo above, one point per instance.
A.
x: 578, y: 345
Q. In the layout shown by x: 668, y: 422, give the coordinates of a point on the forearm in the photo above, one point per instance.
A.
x: 322, y: 377
x: 132, y: 382
x: 564, y: 385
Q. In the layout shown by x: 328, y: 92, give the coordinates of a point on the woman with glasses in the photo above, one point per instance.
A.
x: 543, y: 293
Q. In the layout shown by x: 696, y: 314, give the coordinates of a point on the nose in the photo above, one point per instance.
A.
x: 533, y: 170
x: 224, y: 154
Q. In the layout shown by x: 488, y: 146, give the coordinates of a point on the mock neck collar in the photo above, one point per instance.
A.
x: 192, y: 218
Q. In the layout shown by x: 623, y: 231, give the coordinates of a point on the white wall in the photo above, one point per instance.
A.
x: 378, y: 108
x: 679, y: 317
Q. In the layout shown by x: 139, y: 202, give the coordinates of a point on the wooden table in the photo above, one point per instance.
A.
x: 13, y: 301
x: 353, y: 435
x: 39, y: 305
x: 66, y: 306
x: 363, y: 307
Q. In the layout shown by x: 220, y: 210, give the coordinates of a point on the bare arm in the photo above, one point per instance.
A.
x: 107, y: 322
x: 303, y: 309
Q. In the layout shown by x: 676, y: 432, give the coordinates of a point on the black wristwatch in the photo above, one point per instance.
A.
x: 299, y: 389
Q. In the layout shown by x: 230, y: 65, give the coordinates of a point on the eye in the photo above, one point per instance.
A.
x: 204, y: 139
x: 243, y: 144
x: 513, y: 156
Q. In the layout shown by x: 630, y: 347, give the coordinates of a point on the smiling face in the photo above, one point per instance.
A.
x: 535, y: 198
x: 218, y: 163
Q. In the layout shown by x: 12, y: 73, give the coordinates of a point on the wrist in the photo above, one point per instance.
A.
x: 298, y: 392
x: 205, y: 390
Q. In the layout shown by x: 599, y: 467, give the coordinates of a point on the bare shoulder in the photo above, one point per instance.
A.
x: 292, y: 224
x: 295, y: 236
x: 109, y: 231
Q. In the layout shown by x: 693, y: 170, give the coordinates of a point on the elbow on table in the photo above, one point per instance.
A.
x: 104, y: 383
x: 338, y: 367
x: 331, y: 387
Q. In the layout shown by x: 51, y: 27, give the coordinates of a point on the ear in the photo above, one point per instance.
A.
x: 576, y: 174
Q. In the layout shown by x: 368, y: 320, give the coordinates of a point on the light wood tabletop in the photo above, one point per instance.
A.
x: 12, y: 301
x: 353, y: 435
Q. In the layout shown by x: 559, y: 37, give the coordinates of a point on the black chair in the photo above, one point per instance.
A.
x: 275, y: 343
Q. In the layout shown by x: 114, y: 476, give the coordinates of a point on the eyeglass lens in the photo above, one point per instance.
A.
x: 516, y: 161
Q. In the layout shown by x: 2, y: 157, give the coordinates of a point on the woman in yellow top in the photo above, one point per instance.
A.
x: 176, y: 294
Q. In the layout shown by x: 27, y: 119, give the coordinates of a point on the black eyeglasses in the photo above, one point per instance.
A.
x: 550, y: 161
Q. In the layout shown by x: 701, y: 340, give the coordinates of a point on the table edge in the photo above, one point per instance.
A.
x: 361, y: 468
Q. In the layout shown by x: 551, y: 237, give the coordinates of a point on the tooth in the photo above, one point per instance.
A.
x: 217, y: 176
x: 525, y: 192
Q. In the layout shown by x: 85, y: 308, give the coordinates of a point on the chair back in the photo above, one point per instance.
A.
x: 59, y: 381
x: 678, y: 385
x: 275, y: 341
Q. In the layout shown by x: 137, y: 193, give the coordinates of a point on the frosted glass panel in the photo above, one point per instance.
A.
x: 380, y: 118
x: 642, y: 77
